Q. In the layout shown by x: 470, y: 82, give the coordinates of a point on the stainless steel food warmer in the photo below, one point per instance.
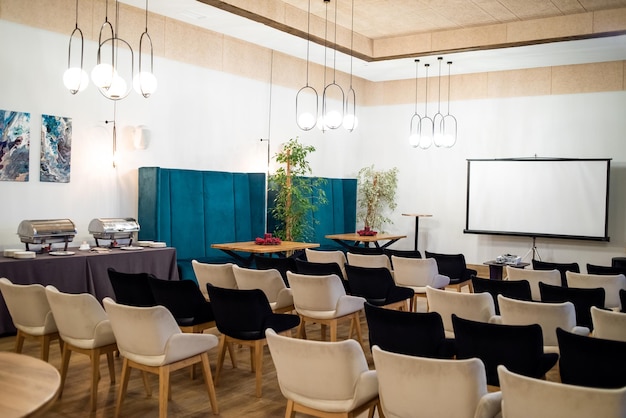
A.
x: 113, y: 229
x: 46, y: 231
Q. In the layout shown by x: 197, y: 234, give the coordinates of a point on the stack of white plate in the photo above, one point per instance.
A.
x: 145, y: 243
x: 10, y: 252
x: 158, y: 245
x: 24, y: 254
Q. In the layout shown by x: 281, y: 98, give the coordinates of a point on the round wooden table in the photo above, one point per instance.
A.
x: 28, y: 386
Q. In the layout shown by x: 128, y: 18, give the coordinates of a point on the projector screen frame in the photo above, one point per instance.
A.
x: 604, y: 238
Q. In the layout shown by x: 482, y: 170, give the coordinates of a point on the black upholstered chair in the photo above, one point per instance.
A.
x: 322, y: 269
x: 357, y: 249
x: 518, y: 347
x: 591, y: 362
x: 282, y: 264
x: 185, y: 301
x: 131, y: 288
x: 514, y: 289
x: 608, y: 270
x: 454, y: 266
x: 242, y: 316
x: 622, y: 298
x: 561, y: 267
x: 411, y: 333
x: 583, y: 300
x: 376, y: 285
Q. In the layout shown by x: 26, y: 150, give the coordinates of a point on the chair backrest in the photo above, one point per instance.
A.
x: 269, y: 281
x: 78, y: 317
x: 357, y: 249
x: 401, y: 253
x: 240, y: 313
x: 518, y: 347
x: 369, y: 260
x: 317, y: 360
x: 608, y: 324
x: 335, y: 256
x: 590, y: 361
x: 412, y: 333
x: 220, y: 275
x: 533, y: 277
x: 282, y: 264
x: 514, y: 289
x: 451, y: 265
x: 411, y: 386
x: 316, y: 293
x: 611, y: 284
x: 29, y: 307
x: 583, y: 300
x: 418, y: 272
x: 322, y: 269
x: 610, y: 270
x: 561, y: 267
x: 524, y: 397
x: 141, y: 331
x: 183, y: 298
x: 549, y: 316
x: 131, y: 288
x: 372, y: 283
x: 622, y: 299
x: 474, y: 306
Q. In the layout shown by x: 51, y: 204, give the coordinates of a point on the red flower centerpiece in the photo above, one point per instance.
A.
x: 367, y: 231
x: 267, y: 239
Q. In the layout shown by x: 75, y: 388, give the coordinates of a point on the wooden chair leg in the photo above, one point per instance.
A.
x: 220, y: 358
x: 359, y: 332
x: 65, y: 361
x: 146, y: 383
x: 258, y: 354
x: 289, y: 412
x: 123, y: 386
x: 19, y: 341
x: 95, y: 375
x: 333, y: 331
x: 208, y: 380
x: 164, y: 390
x: 45, y: 347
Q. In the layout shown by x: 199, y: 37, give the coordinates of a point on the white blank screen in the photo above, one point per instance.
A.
x: 566, y: 198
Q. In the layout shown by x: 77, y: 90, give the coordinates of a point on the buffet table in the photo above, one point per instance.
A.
x: 84, y: 272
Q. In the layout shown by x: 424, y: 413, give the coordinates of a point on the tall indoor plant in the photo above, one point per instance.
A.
x: 296, y: 196
x: 376, y: 194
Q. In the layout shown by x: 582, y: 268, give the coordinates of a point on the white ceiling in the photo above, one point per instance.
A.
x: 552, y: 54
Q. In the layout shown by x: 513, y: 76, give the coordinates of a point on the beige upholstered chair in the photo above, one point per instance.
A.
x: 220, y: 275
x: 552, y: 277
x: 474, y: 306
x: 85, y: 328
x: 608, y: 324
x: 150, y: 340
x: 417, y: 273
x: 369, y: 260
x: 611, y: 284
x: 323, y: 379
x: 270, y: 282
x: 323, y: 300
x: 549, y: 316
x: 524, y: 397
x: 319, y: 256
x: 411, y: 386
x: 31, y: 315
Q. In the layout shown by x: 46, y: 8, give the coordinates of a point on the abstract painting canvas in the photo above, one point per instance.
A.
x: 56, y: 147
x: 14, y: 145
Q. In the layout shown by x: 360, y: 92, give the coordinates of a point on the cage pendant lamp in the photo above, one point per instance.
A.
x: 438, y: 138
x: 449, y: 124
x: 333, y: 115
x: 75, y: 79
x: 144, y: 82
x: 307, y: 98
x: 414, y: 128
x: 427, y: 126
x: 350, y: 121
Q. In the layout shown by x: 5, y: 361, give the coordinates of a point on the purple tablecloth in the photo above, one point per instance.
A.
x: 84, y: 272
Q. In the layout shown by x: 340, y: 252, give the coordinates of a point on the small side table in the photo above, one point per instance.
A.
x: 417, y: 223
x: 496, y: 269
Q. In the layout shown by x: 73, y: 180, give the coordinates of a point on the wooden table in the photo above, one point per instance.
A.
x: 496, y: 269
x: 417, y: 217
x: 28, y: 385
x: 365, y: 239
x: 231, y: 248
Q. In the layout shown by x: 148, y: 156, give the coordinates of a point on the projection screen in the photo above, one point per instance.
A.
x: 560, y: 198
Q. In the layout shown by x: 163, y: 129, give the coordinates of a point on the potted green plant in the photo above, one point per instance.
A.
x: 376, y: 193
x: 295, y: 195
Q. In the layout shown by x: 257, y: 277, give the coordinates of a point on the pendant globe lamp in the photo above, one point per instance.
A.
x: 144, y: 82
x: 427, y: 126
x: 350, y: 121
x: 333, y: 113
x: 449, y: 124
x: 75, y: 78
x: 438, y: 138
x: 307, y: 97
x: 414, y: 132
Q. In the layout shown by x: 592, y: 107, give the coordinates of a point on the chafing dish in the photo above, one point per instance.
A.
x: 47, y: 231
x: 113, y: 229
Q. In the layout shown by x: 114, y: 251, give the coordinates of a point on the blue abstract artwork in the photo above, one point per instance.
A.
x: 56, y: 147
x: 14, y: 145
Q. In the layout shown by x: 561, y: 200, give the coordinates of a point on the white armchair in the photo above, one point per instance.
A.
x: 270, y: 282
x: 220, y: 275
x: 417, y: 273
x: 552, y: 277
x: 608, y: 324
x: 612, y: 284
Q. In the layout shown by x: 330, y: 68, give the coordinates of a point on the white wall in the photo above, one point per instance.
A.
x: 207, y: 120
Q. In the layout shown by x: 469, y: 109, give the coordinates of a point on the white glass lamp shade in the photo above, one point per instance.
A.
x: 118, y: 88
x: 306, y: 120
x: 75, y: 79
x: 145, y: 83
x: 425, y: 141
x: 414, y: 140
x: 333, y: 119
x: 102, y: 75
x: 350, y: 122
